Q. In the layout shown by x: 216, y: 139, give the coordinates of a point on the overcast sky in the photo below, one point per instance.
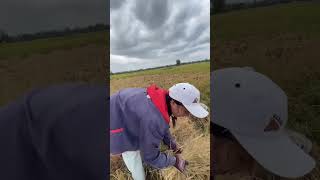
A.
x: 18, y: 16
x: 149, y: 33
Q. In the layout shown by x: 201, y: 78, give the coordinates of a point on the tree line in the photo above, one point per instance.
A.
x: 178, y: 63
x: 220, y: 6
x: 5, y: 37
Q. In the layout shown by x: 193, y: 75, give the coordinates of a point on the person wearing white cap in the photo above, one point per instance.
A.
x: 250, y: 113
x: 140, y: 120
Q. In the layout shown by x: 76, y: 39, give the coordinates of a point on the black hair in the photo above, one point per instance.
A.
x: 168, y: 100
x: 177, y: 102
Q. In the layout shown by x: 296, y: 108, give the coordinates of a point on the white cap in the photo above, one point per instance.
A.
x: 254, y: 109
x: 189, y: 96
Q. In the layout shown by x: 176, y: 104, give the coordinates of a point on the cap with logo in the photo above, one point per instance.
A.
x: 254, y: 109
x: 189, y: 96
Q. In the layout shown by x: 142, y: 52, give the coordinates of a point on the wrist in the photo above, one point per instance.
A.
x: 173, y: 161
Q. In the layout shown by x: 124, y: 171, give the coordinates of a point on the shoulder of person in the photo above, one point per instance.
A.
x: 156, y: 122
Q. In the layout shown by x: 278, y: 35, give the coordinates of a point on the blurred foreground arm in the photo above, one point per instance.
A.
x: 55, y: 133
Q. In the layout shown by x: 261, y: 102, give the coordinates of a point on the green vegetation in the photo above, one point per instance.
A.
x: 187, y: 68
x: 81, y: 59
x: 45, y: 46
x: 197, y: 74
x: 302, y: 18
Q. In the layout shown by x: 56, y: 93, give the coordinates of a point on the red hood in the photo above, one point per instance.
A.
x: 158, y: 97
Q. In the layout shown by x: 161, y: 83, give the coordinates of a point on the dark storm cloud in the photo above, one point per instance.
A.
x: 35, y: 15
x: 153, y: 32
x: 153, y: 13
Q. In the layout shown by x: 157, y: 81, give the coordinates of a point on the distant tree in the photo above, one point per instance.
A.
x: 2, y: 33
x: 52, y: 33
x: 218, y: 6
x: 178, y: 62
x: 67, y: 31
x: 4, y: 37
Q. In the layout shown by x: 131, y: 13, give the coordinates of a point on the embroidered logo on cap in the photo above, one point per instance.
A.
x: 274, y: 124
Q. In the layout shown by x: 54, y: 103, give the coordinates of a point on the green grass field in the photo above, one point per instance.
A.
x: 45, y: 46
x: 188, y: 68
x: 300, y: 18
x: 79, y: 58
x: 197, y: 74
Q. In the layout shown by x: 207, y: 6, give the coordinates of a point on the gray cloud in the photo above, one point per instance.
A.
x: 115, y: 4
x: 153, y: 32
x: 153, y: 13
x: 34, y: 15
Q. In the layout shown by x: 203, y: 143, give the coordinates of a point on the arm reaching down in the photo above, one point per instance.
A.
x: 150, y: 138
x: 171, y: 143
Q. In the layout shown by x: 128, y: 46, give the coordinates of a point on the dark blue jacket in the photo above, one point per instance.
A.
x: 57, y: 133
x: 137, y: 124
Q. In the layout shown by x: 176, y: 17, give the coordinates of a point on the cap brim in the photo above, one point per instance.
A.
x: 197, y: 110
x: 278, y: 154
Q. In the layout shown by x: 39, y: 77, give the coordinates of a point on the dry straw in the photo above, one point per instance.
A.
x: 264, y: 175
x: 196, y: 150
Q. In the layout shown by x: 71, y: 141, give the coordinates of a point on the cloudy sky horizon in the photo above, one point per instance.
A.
x: 32, y: 16
x: 151, y: 33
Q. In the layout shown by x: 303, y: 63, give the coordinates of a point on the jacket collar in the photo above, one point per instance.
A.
x: 158, y: 97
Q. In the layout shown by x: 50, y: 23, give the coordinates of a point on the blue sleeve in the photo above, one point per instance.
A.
x: 16, y: 147
x: 150, y: 138
x: 52, y: 128
x: 169, y: 140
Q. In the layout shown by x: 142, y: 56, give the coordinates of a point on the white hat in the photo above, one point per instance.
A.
x: 254, y: 109
x: 189, y: 96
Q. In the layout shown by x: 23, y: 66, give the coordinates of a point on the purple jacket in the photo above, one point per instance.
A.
x: 137, y: 124
x: 55, y: 133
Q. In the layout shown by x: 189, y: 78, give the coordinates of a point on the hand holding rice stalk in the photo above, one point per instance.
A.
x: 196, y: 150
x: 181, y: 164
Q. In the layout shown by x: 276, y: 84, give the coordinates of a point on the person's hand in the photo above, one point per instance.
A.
x: 177, y: 150
x: 180, y: 163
